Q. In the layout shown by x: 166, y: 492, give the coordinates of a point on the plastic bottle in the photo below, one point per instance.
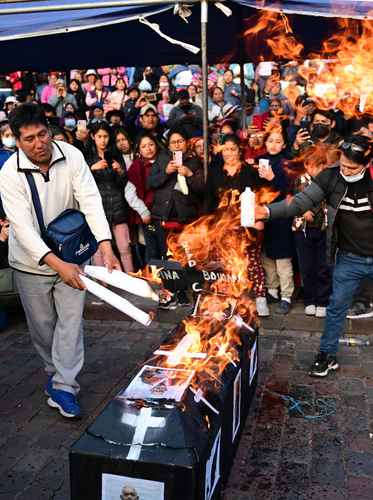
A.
x: 351, y: 341
x: 248, y: 208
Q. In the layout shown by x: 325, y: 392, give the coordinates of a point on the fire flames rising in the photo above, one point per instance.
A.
x: 219, y: 243
x: 339, y: 76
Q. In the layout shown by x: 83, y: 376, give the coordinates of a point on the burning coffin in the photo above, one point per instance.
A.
x: 172, y: 433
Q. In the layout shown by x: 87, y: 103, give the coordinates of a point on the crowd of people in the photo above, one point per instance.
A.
x: 138, y: 132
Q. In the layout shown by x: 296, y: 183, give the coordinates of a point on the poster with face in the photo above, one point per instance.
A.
x: 130, y: 488
x: 236, y: 419
x: 253, y: 361
x: 213, y: 468
x: 157, y: 382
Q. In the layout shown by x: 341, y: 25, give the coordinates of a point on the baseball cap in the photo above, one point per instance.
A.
x: 148, y: 107
x: 11, y: 98
x: 91, y: 72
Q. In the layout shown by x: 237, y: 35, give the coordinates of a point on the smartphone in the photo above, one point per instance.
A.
x: 109, y: 158
x: 82, y: 125
x: 178, y: 157
x: 264, y: 163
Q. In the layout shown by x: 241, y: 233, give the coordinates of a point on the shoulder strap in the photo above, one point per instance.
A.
x: 36, y: 201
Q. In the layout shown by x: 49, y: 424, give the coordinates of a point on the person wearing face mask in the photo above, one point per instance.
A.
x: 186, y: 115
x: 320, y: 129
x: 8, y: 143
x: 348, y: 190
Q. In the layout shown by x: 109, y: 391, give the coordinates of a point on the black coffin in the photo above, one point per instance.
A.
x: 167, y: 450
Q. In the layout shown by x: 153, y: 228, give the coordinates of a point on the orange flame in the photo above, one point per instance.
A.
x: 207, y: 341
x: 341, y: 74
x: 149, y: 273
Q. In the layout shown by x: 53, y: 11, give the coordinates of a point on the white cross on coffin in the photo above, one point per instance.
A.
x: 181, y: 351
x: 142, y: 422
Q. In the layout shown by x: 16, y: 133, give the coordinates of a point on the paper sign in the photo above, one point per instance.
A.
x: 253, y: 362
x: 213, y: 468
x: 236, y: 420
x: 122, y: 487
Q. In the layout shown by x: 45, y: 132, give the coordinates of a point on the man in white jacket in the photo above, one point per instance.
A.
x: 51, y: 290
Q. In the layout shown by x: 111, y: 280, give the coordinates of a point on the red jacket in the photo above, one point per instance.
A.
x: 138, y: 173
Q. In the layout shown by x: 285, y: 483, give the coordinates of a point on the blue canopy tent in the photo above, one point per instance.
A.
x: 63, y: 34
x: 114, y: 34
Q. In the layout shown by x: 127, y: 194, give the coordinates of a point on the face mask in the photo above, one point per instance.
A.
x: 354, y: 178
x: 319, y: 131
x: 70, y: 123
x: 163, y: 85
x: 9, y: 142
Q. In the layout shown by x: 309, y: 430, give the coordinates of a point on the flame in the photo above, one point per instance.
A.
x: 340, y: 75
x: 208, y: 341
x: 149, y: 273
x: 272, y: 30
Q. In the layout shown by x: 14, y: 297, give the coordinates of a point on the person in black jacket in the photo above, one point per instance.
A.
x: 110, y: 174
x: 233, y: 173
x: 76, y: 90
x: 178, y: 184
x: 348, y: 191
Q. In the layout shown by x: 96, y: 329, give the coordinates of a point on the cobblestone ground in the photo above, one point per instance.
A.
x: 284, y: 457
x: 279, y: 457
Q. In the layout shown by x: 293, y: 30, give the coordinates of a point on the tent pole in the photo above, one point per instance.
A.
x: 204, y: 20
x: 243, y: 95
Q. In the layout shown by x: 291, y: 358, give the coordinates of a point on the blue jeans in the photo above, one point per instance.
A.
x: 349, y: 271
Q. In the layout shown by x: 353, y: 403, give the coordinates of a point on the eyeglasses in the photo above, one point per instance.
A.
x: 179, y: 141
x: 354, y: 147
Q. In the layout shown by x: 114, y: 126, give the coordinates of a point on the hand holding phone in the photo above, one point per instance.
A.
x: 178, y: 158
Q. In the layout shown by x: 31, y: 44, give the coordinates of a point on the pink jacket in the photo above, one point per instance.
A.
x: 108, y: 79
x: 47, y: 93
x: 116, y: 100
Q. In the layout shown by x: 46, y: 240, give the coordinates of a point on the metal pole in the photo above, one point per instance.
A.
x: 85, y: 5
x: 204, y: 20
x: 243, y: 95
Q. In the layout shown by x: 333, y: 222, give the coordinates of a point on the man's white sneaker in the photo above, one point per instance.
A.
x: 262, y: 306
x: 320, y: 312
x: 310, y: 310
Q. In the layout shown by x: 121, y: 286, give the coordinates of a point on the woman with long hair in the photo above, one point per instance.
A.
x: 123, y: 144
x: 177, y: 181
x: 108, y: 169
x: 233, y: 173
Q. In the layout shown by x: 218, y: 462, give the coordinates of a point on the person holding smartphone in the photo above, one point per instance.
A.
x: 117, y: 193
x: 177, y: 181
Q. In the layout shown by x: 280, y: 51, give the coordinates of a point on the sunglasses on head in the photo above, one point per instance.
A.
x: 354, y: 147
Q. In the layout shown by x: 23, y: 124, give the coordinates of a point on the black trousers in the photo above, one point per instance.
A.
x: 316, y: 272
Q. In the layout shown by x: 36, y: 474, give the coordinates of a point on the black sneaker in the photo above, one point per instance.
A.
x: 183, y: 299
x: 283, y: 307
x: 323, y: 364
x: 360, y: 310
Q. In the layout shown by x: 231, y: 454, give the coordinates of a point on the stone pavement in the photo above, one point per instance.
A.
x: 279, y: 457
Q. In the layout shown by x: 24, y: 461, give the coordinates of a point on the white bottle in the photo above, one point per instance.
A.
x: 248, y: 208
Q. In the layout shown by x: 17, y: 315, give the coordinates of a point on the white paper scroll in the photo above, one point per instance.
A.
x: 124, y: 281
x: 116, y: 301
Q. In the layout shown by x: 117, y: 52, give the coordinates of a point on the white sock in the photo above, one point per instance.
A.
x: 273, y: 292
x: 286, y: 299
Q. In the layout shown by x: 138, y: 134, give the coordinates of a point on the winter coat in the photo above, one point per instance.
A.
x: 111, y: 186
x: 278, y: 234
x: 169, y: 203
x: 329, y: 185
x: 138, y: 174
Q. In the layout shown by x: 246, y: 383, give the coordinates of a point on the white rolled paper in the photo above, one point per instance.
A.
x: 124, y: 281
x: 116, y: 301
